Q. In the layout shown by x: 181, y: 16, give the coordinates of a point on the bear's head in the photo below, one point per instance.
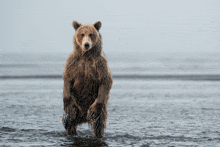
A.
x: 86, y: 36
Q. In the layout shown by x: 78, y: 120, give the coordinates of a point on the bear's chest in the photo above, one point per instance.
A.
x: 85, y: 70
x: 86, y: 81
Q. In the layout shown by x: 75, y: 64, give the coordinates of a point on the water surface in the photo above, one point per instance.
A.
x: 142, y: 111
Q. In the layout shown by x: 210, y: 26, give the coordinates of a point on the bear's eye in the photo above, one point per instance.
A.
x: 90, y: 35
x: 82, y: 35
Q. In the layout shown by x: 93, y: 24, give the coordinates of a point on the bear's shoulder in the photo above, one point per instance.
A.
x: 69, y: 66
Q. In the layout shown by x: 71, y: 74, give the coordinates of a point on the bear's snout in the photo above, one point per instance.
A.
x: 86, y: 45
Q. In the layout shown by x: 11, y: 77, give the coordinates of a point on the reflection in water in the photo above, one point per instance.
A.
x: 78, y: 141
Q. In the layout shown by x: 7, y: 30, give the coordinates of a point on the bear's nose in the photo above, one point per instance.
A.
x: 86, y: 45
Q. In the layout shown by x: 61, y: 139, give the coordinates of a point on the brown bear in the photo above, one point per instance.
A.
x: 87, y: 81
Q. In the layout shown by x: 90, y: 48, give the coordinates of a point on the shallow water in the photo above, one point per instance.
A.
x: 142, y: 112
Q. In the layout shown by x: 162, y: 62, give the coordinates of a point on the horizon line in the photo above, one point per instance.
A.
x: 191, y: 77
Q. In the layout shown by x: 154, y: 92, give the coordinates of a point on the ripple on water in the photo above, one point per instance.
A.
x: 7, y: 129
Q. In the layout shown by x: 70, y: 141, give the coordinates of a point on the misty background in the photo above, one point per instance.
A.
x: 127, y: 26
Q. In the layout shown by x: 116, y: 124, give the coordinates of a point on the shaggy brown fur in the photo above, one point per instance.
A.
x: 87, y: 81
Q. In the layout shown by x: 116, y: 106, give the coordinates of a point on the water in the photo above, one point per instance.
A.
x: 148, y: 111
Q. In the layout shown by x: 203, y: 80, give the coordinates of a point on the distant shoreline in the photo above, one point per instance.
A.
x: 191, y: 77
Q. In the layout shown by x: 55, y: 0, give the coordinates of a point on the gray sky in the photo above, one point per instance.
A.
x: 127, y: 26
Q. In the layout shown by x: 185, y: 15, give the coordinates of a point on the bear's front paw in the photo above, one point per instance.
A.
x: 94, y: 112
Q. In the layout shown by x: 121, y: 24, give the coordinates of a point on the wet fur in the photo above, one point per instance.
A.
x: 87, y: 83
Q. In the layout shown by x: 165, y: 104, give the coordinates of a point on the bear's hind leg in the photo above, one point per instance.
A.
x: 98, y: 120
x: 99, y: 127
x: 70, y: 120
x: 71, y: 130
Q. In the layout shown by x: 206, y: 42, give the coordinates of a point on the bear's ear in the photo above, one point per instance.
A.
x: 98, y: 25
x: 76, y: 25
